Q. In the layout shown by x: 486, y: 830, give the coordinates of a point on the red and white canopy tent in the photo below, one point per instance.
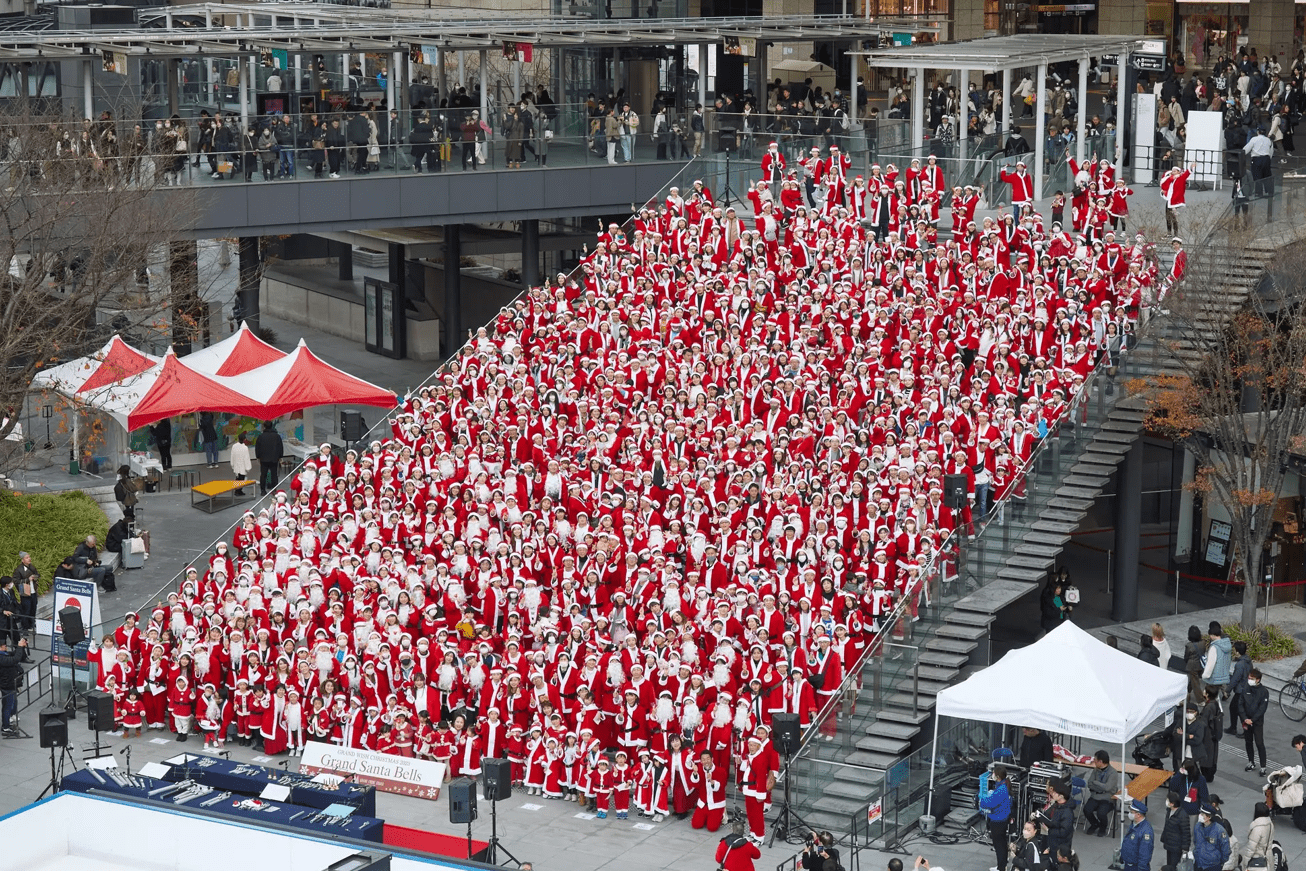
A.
x: 235, y: 355
x: 240, y: 375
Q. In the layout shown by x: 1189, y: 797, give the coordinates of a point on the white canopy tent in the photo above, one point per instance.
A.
x: 1068, y: 682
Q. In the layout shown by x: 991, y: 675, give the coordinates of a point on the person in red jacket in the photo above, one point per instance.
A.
x: 181, y: 702
x: 736, y: 852
x: 710, y: 781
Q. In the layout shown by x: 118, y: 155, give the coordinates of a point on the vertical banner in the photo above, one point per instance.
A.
x: 68, y: 662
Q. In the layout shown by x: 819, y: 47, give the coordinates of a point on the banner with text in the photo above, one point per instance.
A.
x: 420, y: 778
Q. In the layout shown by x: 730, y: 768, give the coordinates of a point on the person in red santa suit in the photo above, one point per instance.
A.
x: 294, y: 716
x: 825, y: 662
x: 153, y: 685
x: 756, y: 782
x: 213, y: 715
x: 681, y: 787
x: 623, y: 781
x: 273, y: 728
x: 181, y: 703
x: 402, y: 736
x: 651, y: 787
x: 710, y: 781
x: 537, y: 762
x: 736, y: 852
x: 632, y: 723
x: 792, y: 694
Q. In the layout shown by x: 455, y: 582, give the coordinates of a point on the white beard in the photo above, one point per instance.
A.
x: 404, y: 612
x: 324, y: 661
x: 373, y: 562
x: 349, y: 529
x: 201, y: 666
x: 721, y: 674
x: 316, y: 597
x: 665, y: 711
x: 563, y: 529
x: 237, y: 651
x: 178, y: 624
x: 228, y: 608
x: 447, y: 675
x: 690, y: 715
x: 697, y: 545
x: 308, y: 544
x: 294, y: 589
x: 513, y: 515
x: 374, y: 646
x: 270, y: 581
x: 461, y: 565
x: 483, y: 493
x: 476, y: 677
x: 530, y: 598
x: 394, y: 632
x: 242, y: 593
x: 656, y: 539
x: 282, y: 563
x: 671, y: 601
x: 721, y: 714
x: 742, y: 719
x: 446, y: 468
x: 689, y: 652
x: 616, y: 674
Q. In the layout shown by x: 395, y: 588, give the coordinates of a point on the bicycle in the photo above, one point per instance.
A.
x: 1292, y: 699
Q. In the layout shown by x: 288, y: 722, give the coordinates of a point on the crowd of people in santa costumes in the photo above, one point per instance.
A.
x: 652, y: 504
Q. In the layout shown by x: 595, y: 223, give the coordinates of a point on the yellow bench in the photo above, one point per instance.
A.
x: 214, y: 490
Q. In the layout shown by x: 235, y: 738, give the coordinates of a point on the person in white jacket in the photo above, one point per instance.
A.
x: 240, y: 462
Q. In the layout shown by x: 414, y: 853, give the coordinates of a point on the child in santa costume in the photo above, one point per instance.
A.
x: 131, y: 712
x: 242, y: 711
x: 211, y: 715
x: 273, y: 727
x: 623, y: 780
x: 181, y: 703
x: 293, y: 718
x: 537, y: 763
x: 553, y: 773
x: 603, y: 781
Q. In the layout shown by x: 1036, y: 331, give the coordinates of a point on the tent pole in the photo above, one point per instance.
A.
x: 934, y: 752
x: 1124, y: 792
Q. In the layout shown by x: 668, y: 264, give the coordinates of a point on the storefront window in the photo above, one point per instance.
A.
x: 1208, y: 30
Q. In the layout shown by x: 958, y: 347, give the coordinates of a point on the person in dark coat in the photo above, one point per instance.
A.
x: 1147, y: 651
x: 1242, y: 666
x: 1213, y: 718
x: 1190, y: 786
x: 162, y: 432
x: 268, y: 450
x: 1252, y: 707
x: 1176, y: 835
x: 209, y: 435
x: 1035, y: 746
x: 1059, y: 819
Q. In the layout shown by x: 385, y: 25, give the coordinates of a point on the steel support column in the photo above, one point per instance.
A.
x: 1128, y: 514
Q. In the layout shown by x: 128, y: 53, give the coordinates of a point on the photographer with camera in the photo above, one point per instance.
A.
x: 820, y: 852
x: 736, y: 852
x: 12, y: 658
x: 86, y: 560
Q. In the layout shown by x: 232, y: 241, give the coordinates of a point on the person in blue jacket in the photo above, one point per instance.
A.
x: 997, y: 807
x: 1210, y: 841
x: 1136, y: 850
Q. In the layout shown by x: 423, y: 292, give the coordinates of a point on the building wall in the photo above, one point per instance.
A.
x: 967, y: 19
x: 1122, y: 17
x: 1271, y: 27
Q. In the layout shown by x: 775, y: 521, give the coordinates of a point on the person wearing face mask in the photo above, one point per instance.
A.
x: 1252, y: 705
x: 1188, y: 781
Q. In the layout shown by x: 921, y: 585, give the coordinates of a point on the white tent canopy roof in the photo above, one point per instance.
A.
x: 1068, y: 682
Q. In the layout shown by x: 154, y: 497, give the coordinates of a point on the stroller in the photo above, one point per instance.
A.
x: 1284, y: 792
x: 1151, y: 750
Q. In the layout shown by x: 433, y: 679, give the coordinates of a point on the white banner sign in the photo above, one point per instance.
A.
x: 420, y: 778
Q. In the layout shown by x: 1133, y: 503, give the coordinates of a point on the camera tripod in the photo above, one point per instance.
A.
x: 787, y: 820
x: 727, y: 195
x: 61, y: 754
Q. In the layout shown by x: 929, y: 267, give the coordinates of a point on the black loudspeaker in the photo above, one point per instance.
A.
x: 785, y: 733
x: 352, y: 426
x: 942, y: 804
x: 54, y: 727
x: 728, y: 139
x: 462, y: 800
x: 99, y: 711
x: 496, y: 779
x: 70, y: 619
x: 954, y: 494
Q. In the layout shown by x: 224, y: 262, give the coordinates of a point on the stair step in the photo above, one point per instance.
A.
x: 1089, y: 493
x: 939, y: 673
x: 846, y: 789
x: 868, y: 759
x: 1070, y: 503
x: 903, y: 715
x: 844, y: 807
x: 1033, y: 562
x: 887, y: 745
x: 1086, y: 480
x: 967, y: 618
x: 1106, y: 446
x: 1093, y: 470
x: 1022, y: 574
x: 1072, y: 516
x: 1111, y: 459
x: 950, y: 645
x: 966, y: 633
x: 1124, y: 426
x: 1048, y: 539
x: 1037, y: 549
x: 943, y: 659
x: 892, y: 729
x: 1043, y: 524
x: 1127, y: 414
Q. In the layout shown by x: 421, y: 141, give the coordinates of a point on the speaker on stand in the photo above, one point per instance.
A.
x: 54, y: 735
x: 786, y: 737
x: 74, y: 633
x: 462, y: 805
x: 99, y: 715
x: 955, y: 497
x: 496, y: 778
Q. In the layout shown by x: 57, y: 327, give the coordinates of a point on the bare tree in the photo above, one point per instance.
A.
x: 1236, y: 392
x: 84, y: 206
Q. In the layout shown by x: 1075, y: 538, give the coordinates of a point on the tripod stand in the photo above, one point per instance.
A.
x: 787, y: 820
x: 61, y: 753
x: 727, y: 195
x: 492, y: 851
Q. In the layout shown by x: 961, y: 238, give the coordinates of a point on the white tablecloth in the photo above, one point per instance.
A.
x: 142, y: 464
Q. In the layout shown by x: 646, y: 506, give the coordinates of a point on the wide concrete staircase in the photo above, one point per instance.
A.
x: 880, y: 749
